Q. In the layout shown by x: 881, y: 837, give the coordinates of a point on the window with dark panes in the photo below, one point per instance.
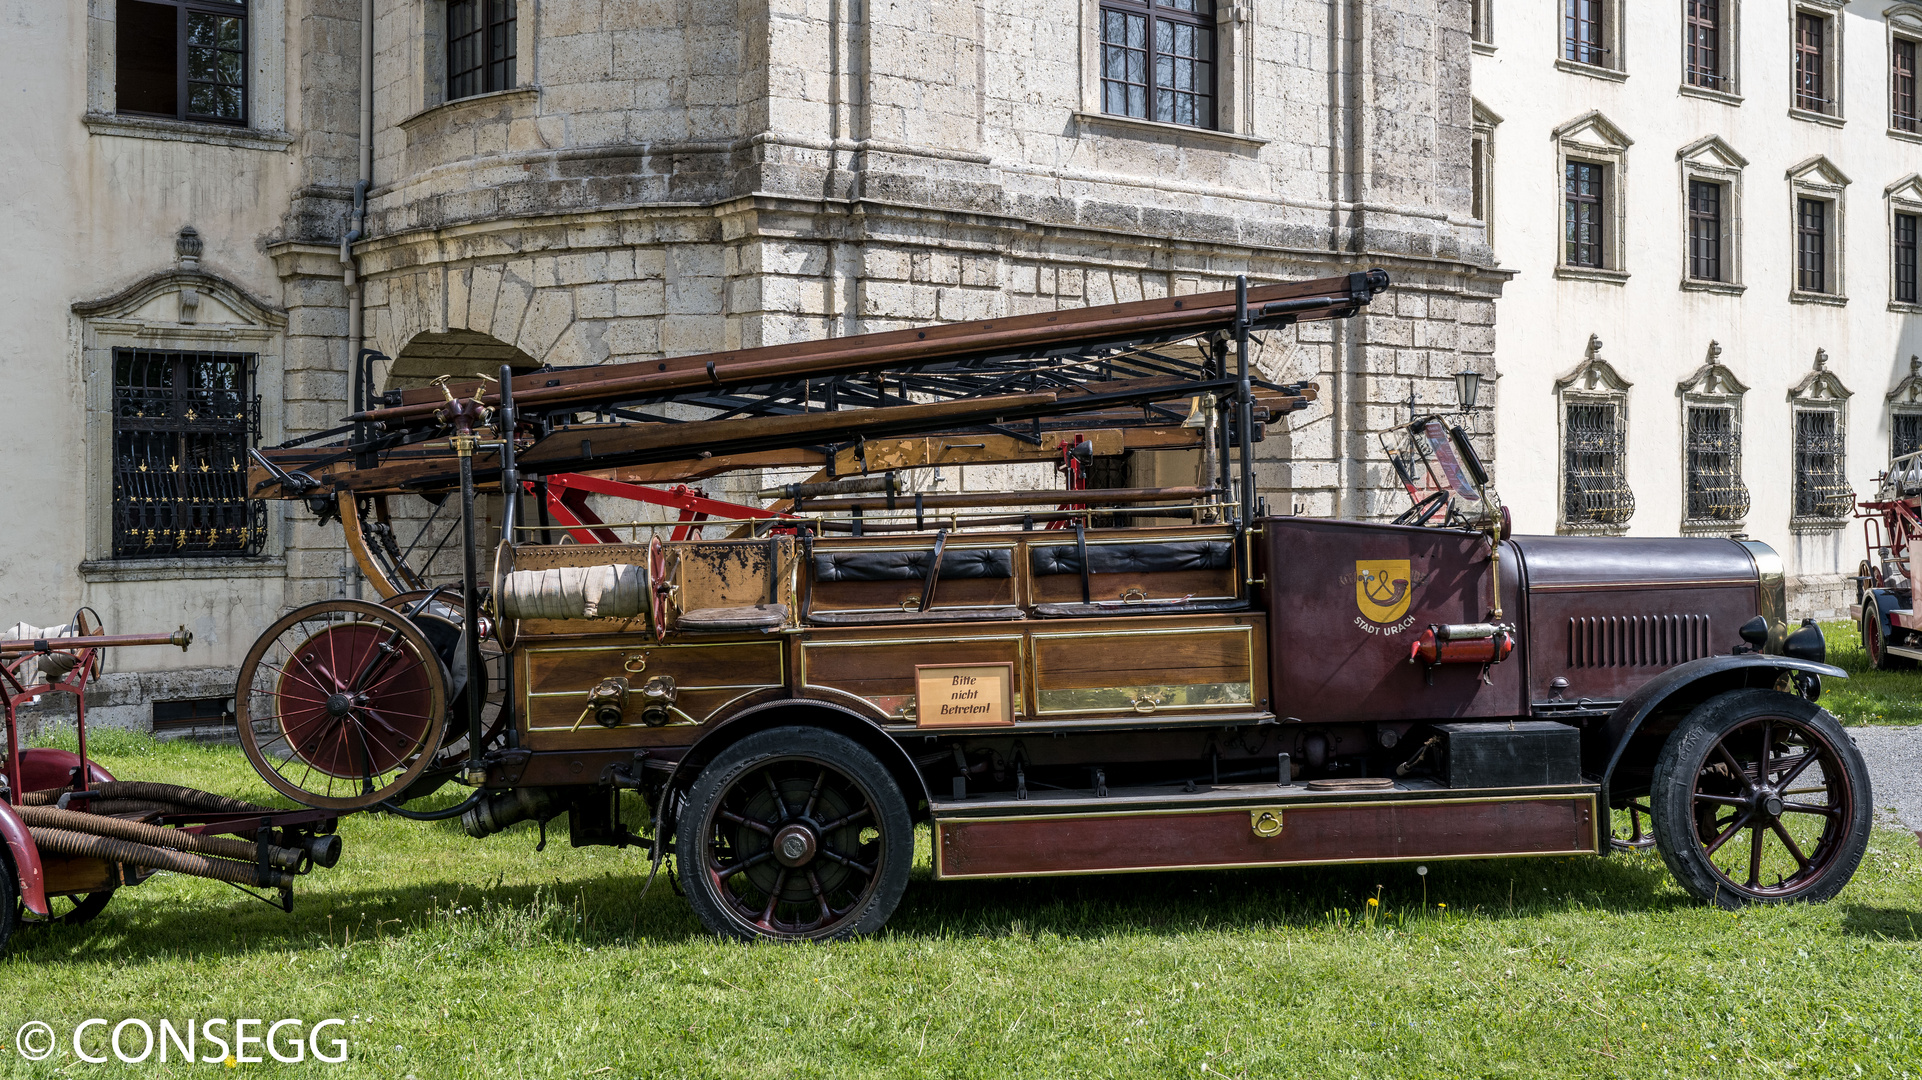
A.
x: 1582, y: 31
x: 1704, y: 44
x: 1902, y: 114
x: 1811, y: 33
x: 182, y: 425
x: 480, y: 47
x: 1905, y: 258
x: 1594, y: 466
x: 1584, y: 205
x: 1820, y: 489
x: 1811, y: 245
x: 185, y: 59
x: 1158, y: 60
x: 1704, y: 230
x: 1714, y: 465
x: 1905, y: 434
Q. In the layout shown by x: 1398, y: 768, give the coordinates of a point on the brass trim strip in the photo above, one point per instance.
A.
x: 1747, y: 583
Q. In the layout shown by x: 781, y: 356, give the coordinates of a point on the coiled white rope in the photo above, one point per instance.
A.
x: 615, y: 591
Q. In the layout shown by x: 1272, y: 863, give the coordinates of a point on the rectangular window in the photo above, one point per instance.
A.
x: 1811, y: 32
x: 1479, y: 19
x: 1704, y: 37
x: 1811, y: 245
x: 182, y: 425
x: 1584, y: 215
x: 1905, y: 434
x: 1582, y: 31
x: 480, y: 47
x: 1594, y: 467
x: 1902, y: 115
x: 1714, y: 465
x: 1820, y: 490
x: 184, y: 59
x: 1158, y: 60
x: 1704, y: 230
x: 1905, y: 264
x: 1478, y: 177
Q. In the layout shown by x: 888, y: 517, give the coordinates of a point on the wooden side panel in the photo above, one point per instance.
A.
x: 73, y: 874
x: 882, y: 670
x: 1136, y: 586
x: 729, y: 573
x: 557, y: 677
x: 1344, y: 833
x: 1109, y: 670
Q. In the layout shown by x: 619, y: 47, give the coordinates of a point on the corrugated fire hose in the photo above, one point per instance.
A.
x: 146, y: 791
x: 67, y: 842
x: 225, y: 847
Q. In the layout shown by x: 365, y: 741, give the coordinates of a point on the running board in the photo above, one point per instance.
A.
x: 1903, y: 651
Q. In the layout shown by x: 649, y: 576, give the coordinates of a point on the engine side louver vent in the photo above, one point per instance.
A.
x: 1636, y: 640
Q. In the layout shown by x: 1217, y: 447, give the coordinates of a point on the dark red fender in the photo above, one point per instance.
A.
x: 26, y: 862
x: 44, y: 767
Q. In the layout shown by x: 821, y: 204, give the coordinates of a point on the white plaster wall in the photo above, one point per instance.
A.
x: 1654, y: 333
x: 86, y: 215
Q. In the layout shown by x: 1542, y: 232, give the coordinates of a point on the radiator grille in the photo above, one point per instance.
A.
x: 1636, y: 640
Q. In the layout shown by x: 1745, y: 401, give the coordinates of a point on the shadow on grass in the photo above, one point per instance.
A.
x: 1882, y: 923
x: 608, y: 910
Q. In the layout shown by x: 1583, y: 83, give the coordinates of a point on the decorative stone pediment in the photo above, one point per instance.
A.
x: 1593, y: 375
x: 1907, y: 189
x: 1819, y: 171
x: 1593, y: 130
x: 1483, y: 115
x: 1909, y: 390
x: 1820, y: 384
x: 1905, y: 15
x: 1713, y: 378
x: 1711, y: 151
x: 186, y: 303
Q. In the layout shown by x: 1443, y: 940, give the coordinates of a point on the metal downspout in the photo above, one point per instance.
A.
x: 350, y: 271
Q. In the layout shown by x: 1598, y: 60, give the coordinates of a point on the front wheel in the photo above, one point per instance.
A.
x: 794, y: 834
x: 1760, y: 797
x: 1875, y: 642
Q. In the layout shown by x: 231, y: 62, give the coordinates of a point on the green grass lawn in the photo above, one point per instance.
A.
x: 454, y: 958
x: 1867, y: 696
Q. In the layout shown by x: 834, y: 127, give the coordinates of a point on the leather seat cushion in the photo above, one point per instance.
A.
x: 910, y: 564
x: 1145, y: 607
x: 1146, y: 558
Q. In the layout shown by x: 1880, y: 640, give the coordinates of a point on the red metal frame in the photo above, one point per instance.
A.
x: 567, y: 502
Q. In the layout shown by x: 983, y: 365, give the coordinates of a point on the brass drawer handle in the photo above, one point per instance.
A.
x: 1266, y: 823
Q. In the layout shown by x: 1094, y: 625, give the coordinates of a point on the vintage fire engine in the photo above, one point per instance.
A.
x: 1884, y: 595
x: 1070, y: 681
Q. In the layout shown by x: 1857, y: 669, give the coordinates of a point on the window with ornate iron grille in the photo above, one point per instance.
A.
x: 1582, y: 32
x: 1595, y: 491
x: 1704, y: 230
x: 1713, y: 465
x: 1703, y: 59
x: 480, y: 47
x: 1811, y: 59
x: 1902, y: 111
x: 1585, y: 207
x: 1905, y: 434
x: 182, y: 425
x: 1158, y: 60
x: 1905, y: 260
x: 185, y: 59
x: 1811, y: 245
x: 1821, y: 491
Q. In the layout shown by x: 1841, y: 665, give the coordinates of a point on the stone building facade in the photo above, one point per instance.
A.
x: 660, y: 177
x: 1710, y: 209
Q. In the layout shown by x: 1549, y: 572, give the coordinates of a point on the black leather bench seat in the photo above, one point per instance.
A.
x: 911, y: 564
x: 1143, y: 558
x: 1140, y: 607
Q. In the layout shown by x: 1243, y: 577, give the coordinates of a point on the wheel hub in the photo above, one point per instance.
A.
x: 340, y: 704
x: 795, y: 845
x: 1768, y: 803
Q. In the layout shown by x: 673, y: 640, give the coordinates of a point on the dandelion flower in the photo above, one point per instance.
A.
x: 1372, y: 902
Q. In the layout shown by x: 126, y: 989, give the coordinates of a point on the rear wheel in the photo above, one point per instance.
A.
x: 1875, y: 642
x: 794, y: 834
x: 1760, y: 797
x: 73, y: 910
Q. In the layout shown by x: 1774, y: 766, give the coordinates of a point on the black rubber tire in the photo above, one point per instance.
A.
x: 812, y: 747
x: 1874, y: 643
x: 9, y: 889
x: 86, y: 908
x: 1690, y: 754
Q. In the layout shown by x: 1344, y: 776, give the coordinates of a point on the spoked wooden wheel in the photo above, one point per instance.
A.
x: 794, y: 833
x: 341, y: 704
x: 1761, y: 797
x: 74, y: 910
